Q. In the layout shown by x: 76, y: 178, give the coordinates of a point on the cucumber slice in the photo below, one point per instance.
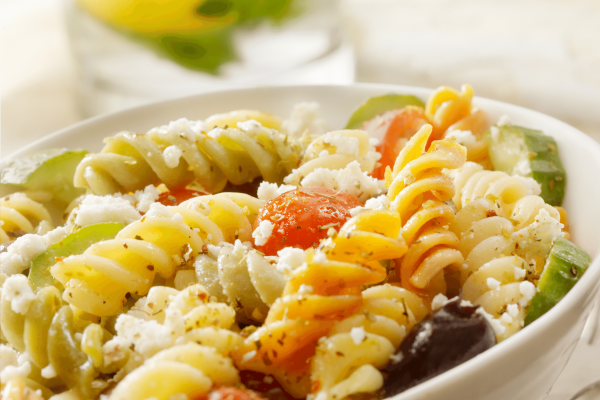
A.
x: 49, y: 170
x: 527, y: 152
x: 375, y: 106
x: 564, y: 267
x: 75, y: 243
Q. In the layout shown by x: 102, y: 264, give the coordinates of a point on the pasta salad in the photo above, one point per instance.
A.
x: 248, y: 257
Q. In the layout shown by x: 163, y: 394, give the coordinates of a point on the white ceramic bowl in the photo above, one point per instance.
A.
x: 524, y: 366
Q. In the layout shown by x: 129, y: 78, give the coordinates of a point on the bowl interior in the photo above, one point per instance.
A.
x: 579, y: 153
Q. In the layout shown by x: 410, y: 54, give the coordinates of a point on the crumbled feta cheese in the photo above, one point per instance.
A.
x: 268, y: 191
x: 358, y: 335
x: 12, y: 371
x: 177, y: 218
x: 248, y: 356
x: 522, y: 168
x: 96, y: 209
x: 320, y: 257
x: 183, y: 128
x: 305, y: 289
x: 251, y: 126
x: 172, y: 154
x: 343, y: 144
x: 8, y: 357
x: 376, y: 203
x: 159, y: 210
x: 465, y: 138
x: 49, y: 372
x: 537, y: 238
x: 528, y: 290
x: 396, y: 358
x: 148, y: 337
x: 496, y: 324
x: 263, y: 232
x: 493, y: 283
x: 290, y: 258
x: 214, y: 251
x: 438, y: 301
x: 506, y: 318
x: 513, y: 310
x: 350, y: 180
x: 323, y: 153
x: 519, y: 272
x: 503, y: 121
x: 17, y: 290
x: 19, y: 255
x: 144, y: 198
x: 304, y: 119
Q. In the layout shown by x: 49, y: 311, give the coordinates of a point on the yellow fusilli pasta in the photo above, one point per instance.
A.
x: 417, y: 190
x: 183, y: 152
x: 19, y: 215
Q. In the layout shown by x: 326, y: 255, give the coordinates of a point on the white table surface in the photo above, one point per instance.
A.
x: 546, y: 62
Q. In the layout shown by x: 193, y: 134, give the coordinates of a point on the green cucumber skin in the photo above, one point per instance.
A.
x: 544, y: 160
x: 564, y: 267
x: 375, y: 106
x: 546, y: 166
x: 50, y: 170
x: 74, y: 244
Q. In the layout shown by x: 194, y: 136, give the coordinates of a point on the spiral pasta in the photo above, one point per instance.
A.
x: 183, y: 152
x: 492, y: 276
x: 20, y: 215
x: 417, y: 189
x: 335, y: 150
x: 98, y: 280
x: 44, y: 330
x: 347, y: 361
x: 447, y: 106
x: 241, y: 277
x: 472, y: 182
x: 317, y: 295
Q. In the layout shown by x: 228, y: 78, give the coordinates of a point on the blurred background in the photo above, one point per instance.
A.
x: 65, y: 60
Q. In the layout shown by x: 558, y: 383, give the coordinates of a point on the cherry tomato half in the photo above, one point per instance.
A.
x: 399, y: 126
x: 302, y: 217
x: 178, y: 196
x: 231, y: 393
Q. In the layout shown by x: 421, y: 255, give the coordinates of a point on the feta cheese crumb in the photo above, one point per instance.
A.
x: 290, y: 258
x: 351, y: 180
x: 172, y: 154
x: 305, y: 289
x: 96, y: 209
x: 376, y: 203
x: 503, y: 121
x: 495, y: 133
x: 8, y: 357
x: 268, y: 191
x: 466, y: 303
x: 493, y: 283
x: 249, y: 356
x: 263, y: 232
x: 17, y: 290
x: 320, y: 257
x: 396, y: 358
x: 522, y: 168
x: 528, y: 290
x: 358, y: 335
x: 465, y: 138
x: 496, y: 324
x: 49, y: 372
x: 513, y: 310
x: 343, y: 144
x: 304, y: 118
x: 519, y: 273
x: 250, y: 126
x: 19, y: 255
x: 438, y: 301
x: 506, y: 318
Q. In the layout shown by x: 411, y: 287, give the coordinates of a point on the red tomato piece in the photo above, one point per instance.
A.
x: 399, y: 126
x: 178, y: 196
x: 302, y: 217
x: 231, y: 393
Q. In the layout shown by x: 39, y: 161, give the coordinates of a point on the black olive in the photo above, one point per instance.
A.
x: 443, y: 340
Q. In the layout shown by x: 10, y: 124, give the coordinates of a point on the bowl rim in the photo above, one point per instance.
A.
x: 585, y: 285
